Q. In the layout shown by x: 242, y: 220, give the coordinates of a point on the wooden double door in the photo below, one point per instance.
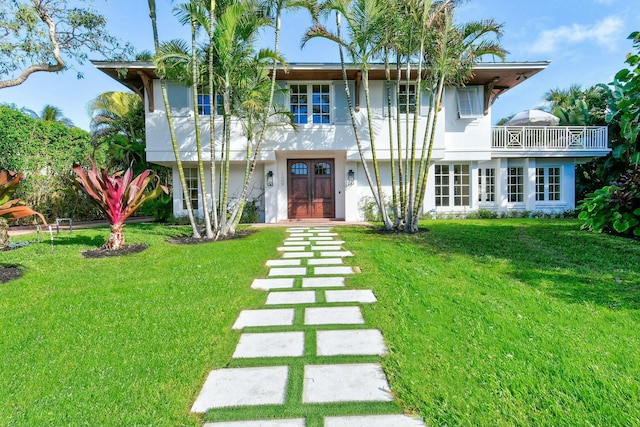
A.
x: 311, y: 189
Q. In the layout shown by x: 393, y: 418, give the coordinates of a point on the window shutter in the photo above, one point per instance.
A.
x: 178, y: 99
x: 469, y: 102
x: 425, y: 99
x: 280, y: 97
x: 340, y: 107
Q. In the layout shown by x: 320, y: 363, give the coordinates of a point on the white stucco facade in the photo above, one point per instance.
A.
x: 469, y: 170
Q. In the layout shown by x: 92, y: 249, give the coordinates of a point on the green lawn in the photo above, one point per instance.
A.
x: 507, y: 322
x: 497, y: 322
x: 121, y: 341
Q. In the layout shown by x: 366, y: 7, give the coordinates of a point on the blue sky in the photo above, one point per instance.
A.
x: 584, y: 39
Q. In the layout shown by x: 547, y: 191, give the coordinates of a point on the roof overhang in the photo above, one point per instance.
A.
x: 496, y: 78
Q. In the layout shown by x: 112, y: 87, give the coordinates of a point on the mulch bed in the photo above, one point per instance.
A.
x: 104, y: 253
x: 9, y: 272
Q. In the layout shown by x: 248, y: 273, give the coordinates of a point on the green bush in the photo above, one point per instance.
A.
x: 251, y: 212
x: 614, y: 208
x: 44, y: 152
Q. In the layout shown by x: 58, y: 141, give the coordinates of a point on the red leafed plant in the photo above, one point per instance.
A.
x: 118, y: 195
x: 11, y: 208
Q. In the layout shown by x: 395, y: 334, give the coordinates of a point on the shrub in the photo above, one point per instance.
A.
x: 614, y: 208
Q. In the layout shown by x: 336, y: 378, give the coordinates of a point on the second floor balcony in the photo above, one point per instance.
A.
x: 583, y: 141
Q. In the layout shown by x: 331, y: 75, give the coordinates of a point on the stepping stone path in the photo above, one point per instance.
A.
x: 307, y: 307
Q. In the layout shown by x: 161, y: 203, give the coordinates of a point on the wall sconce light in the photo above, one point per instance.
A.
x: 351, y: 177
x: 270, y: 179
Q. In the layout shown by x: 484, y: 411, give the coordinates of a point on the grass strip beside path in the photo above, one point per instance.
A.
x: 507, y: 322
x: 126, y: 340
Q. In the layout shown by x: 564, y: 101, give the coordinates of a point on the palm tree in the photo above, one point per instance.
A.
x: 193, y: 13
x: 365, y: 20
x: 51, y: 113
x: 454, y: 50
x: 274, y: 9
x: 117, y: 119
x: 172, y: 132
x: 422, y: 34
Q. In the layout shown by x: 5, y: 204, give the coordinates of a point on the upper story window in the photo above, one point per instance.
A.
x: 204, y: 104
x: 178, y: 95
x: 469, y: 102
x: 310, y: 103
x: 407, y: 98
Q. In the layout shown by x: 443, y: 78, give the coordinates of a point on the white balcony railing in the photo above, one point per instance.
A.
x: 550, y: 138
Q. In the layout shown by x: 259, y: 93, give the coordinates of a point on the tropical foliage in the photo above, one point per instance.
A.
x: 118, y: 196
x: 48, y: 35
x: 420, y: 41
x: 43, y: 151
x: 227, y: 67
x: 11, y: 208
x: 616, y: 207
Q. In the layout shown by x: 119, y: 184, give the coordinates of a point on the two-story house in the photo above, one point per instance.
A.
x: 315, y: 171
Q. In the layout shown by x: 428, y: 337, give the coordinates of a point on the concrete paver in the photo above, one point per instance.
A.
x: 358, y: 295
x: 292, y: 248
x: 353, y: 382
x: 333, y: 316
x: 283, y: 262
x: 293, y: 297
x: 298, y: 255
x: 322, y: 282
x: 268, y: 317
x: 288, y: 271
x: 267, y: 284
x: 351, y: 342
x: 326, y: 248
x: 243, y: 387
x: 325, y: 261
x: 336, y: 254
x: 332, y: 270
x: 270, y: 344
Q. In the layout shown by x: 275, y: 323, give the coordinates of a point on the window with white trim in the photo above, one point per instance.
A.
x: 407, y: 98
x: 318, y: 111
x: 191, y: 177
x: 486, y: 185
x: 515, y: 185
x: 204, y: 104
x: 442, y: 185
x: 452, y: 180
x: 469, y: 102
x: 548, y: 184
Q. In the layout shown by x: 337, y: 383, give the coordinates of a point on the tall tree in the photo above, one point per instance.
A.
x: 48, y: 35
x: 172, y: 131
x: 420, y: 36
x: 365, y: 21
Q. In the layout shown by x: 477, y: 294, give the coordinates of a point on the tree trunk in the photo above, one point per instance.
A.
x: 116, y: 238
x: 4, y: 233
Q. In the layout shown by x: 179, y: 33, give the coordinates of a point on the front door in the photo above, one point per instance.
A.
x: 311, y: 188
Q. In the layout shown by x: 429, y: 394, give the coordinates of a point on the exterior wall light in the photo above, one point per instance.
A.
x: 270, y: 179
x: 351, y: 177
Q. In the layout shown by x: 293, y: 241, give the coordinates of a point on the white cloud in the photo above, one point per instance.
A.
x: 605, y: 32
